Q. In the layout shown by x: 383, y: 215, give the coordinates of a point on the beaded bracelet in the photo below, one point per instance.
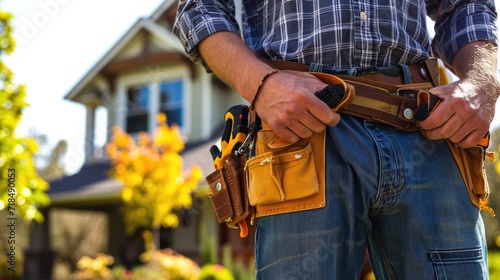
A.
x: 252, y: 105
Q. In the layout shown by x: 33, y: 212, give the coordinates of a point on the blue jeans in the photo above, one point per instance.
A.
x: 393, y: 193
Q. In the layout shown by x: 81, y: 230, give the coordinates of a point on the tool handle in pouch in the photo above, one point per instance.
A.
x: 235, y: 132
x: 331, y: 95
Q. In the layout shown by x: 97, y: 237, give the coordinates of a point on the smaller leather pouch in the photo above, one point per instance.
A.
x: 229, y: 192
x: 286, y: 178
x: 280, y: 174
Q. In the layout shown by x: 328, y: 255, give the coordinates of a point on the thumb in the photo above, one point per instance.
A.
x: 335, y: 119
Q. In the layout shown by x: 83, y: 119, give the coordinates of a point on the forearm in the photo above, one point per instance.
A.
x: 286, y: 101
x: 232, y: 61
x: 476, y: 66
x: 477, y: 61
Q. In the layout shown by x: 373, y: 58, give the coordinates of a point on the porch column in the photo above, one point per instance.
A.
x: 39, y: 257
x: 89, y: 132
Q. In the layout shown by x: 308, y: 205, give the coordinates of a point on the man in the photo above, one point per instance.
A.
x: 397, y: 193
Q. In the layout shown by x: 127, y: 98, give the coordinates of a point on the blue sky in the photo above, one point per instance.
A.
x: 58, y: 42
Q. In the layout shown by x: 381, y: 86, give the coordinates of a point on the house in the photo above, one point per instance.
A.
x: 144, y: 73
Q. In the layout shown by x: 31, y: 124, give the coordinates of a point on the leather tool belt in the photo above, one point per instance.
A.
x: 381, y: 94
x: 266, y: 183
x: 422, y: 72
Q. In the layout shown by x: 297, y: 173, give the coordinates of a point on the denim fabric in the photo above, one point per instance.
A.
x: 394, y: 193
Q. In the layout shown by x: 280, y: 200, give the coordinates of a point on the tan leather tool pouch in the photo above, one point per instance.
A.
x: 471, y: 164
x: 470, y: 161
x: 286, y: 178
x: 228, y: 186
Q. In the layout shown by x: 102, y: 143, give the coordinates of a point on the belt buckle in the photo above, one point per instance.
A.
x: 408, y: 93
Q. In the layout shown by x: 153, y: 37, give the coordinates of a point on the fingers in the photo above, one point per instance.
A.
x: 464, y: 133
x: 295, y: 122
x: 319, y: 110
x: 325, y: 116
x: 457, y: 120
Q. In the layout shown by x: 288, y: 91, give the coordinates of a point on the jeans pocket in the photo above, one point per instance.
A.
x: 458, y: 264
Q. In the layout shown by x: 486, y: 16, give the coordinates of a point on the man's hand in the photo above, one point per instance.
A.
x: 465, y: 113
x: 468, y: 106
x: 288, y: 105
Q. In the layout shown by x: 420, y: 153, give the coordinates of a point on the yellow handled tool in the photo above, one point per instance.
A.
x: 235, y: 133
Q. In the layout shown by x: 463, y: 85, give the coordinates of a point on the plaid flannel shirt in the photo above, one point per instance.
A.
x: 344, y: 33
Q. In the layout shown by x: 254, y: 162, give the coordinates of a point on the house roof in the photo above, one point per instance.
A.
x: 91, y: 185
x: 155, y: 16
x: 148, y: 24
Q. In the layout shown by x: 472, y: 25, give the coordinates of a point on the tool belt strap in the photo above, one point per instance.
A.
x: 376, y: 99
x: 399, y: 106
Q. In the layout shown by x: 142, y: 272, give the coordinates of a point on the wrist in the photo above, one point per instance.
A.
x: 259, y: 88
x: 253, y: 74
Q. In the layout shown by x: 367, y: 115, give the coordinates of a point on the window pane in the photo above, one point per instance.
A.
x: 171, y: 101
x: 137, y: 108
x: 174, y: 116
x: 171, y: 91
x: 138, y: 98
x: 137, y: 123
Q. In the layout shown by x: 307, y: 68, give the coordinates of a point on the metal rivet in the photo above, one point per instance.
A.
x: 262, y: 135
x: 298, y: 156
x: 265, y: 161
x: 422, y: 72
x: 408, y: 113
x: 218, y: 186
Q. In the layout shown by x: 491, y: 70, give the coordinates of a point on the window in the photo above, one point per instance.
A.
x: 171, y: 101
x: 145, y: 101
x: 138, y: 108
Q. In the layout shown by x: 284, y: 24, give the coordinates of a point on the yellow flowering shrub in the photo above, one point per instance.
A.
x: 163, y: 265
x: 166, y: 265
x: 215, y: 272
x: 151, y: 170
x: 95, y: 268
x: 22, y: 191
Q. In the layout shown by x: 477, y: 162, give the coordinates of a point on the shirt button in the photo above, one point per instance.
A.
x: 363, y: 16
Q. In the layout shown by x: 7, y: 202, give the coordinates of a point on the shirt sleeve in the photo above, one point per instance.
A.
x: 198, y: 19
x: 460, y: 22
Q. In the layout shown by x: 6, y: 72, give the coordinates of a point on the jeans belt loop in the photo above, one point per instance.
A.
x: 406, y: 73
x: 315, y: 67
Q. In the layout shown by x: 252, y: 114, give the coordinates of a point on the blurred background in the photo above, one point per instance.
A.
x: 106, y: 126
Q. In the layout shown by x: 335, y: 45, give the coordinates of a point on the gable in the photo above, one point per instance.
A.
x: 145, y: 37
